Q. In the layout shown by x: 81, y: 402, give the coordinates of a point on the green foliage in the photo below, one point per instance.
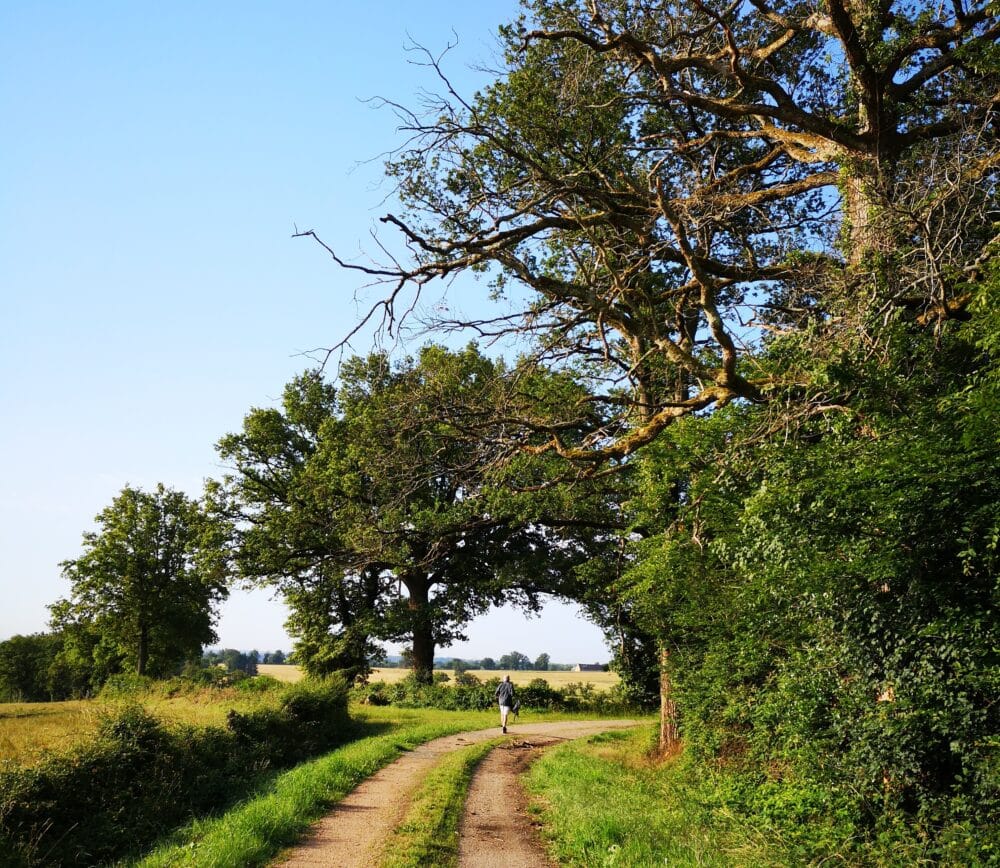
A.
x: 26, y: 664
x: 829, y: 600
x: 126, y: 685
x: 139, y: 778
x: 143, y: 592
x: 514, y: 661
x: 232, y: 660
x: 472, y: 695
x: 375, y: 511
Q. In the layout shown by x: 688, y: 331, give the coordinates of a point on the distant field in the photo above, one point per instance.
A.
x: 600, y: 680
x: 28, y: 729
x: 281, y: 671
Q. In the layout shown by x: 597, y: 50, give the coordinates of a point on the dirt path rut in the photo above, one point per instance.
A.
x: 496, y: 829
x: 355, y: 831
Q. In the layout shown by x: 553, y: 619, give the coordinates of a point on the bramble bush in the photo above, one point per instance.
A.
x: 139, y: 778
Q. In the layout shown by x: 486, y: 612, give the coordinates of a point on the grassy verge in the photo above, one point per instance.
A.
x: 428, y: 834
x: 255, y: 831
x: 603, y: 803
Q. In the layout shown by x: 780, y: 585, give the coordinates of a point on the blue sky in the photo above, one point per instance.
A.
x: 154, y: 162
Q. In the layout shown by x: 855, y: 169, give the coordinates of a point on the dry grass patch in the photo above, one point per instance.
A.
x: 28, y: 729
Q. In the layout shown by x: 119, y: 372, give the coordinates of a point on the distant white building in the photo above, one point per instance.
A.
x: 588, y: 667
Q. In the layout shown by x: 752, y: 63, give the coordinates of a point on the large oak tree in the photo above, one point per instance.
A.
x: 380, y: 509
x: 669, y: 180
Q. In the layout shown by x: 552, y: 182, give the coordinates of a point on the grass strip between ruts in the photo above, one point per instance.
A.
x: 428, y: 834
x: 255, y: 831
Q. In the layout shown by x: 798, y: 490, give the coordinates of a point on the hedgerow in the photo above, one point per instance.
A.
x: 469, y: 694
x: 139, y: 778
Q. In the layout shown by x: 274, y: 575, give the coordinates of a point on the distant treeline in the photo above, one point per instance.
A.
x: 49, y: 667
x: 514, y: 661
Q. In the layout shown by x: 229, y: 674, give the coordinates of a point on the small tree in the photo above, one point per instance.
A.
x: 147, y: 582
x: 515, y: 660
x: 541, y: 663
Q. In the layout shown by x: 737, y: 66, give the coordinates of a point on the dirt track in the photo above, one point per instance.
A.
x: 355, y: 831
x: 496, y: 830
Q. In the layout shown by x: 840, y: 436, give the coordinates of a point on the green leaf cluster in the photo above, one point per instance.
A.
x: 143, y: 593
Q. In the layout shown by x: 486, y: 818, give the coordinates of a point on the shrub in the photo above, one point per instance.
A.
x: 125, y: 685
x: 139, y: 778
x: 469, y: 694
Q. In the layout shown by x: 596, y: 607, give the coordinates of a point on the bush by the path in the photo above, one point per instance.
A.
x: 140, y: 778
x: 470, y: 694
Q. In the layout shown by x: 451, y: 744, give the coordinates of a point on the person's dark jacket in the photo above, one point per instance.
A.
x: 505, y: 693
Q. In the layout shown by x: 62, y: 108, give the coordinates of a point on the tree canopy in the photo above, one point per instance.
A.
x: 669, y: 181
x: 348, y: 497
x: 147, y: 583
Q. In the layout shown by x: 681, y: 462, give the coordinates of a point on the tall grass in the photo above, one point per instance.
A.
x: 254, y: 832
x: 602, y: 802
x: 30, y: 731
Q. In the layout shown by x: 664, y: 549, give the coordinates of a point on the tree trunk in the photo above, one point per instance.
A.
x: 669, y: 738
x: 868, y: 232
x: 143, y: 652
x: 420, y: 620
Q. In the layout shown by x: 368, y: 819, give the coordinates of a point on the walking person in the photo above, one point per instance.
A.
x: 505, y: 697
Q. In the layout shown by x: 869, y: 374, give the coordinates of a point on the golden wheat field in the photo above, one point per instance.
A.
x: 599, y: 680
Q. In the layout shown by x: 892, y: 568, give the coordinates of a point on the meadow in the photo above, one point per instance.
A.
x: 28, y: 730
